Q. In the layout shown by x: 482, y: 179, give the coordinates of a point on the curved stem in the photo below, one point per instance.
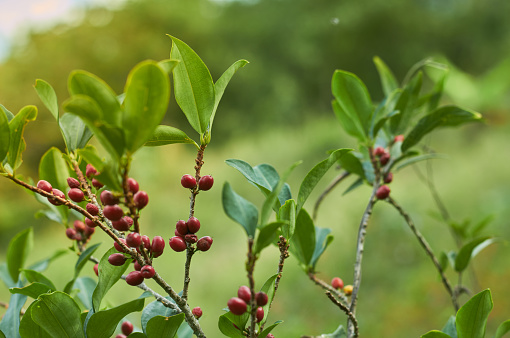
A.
x: 345, y: 309
x: 328, y: 287
x: 330, y: 188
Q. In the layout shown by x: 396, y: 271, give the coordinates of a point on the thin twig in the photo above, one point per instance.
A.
x: 330, y: 187
x: 250, y: 266
x: 128, y: 195
x: 344, y: 308
x: 328, y: 287
x: 189, y: 254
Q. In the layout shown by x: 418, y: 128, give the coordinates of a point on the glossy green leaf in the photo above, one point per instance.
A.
x: 2, y: 335
x: 82, y: 260
x: 406, y: 104
x: 266, y: 236
x: 53, y: 168
x: 472, y: 317
x: 270, y: 328
x: 435, y: 334
x: 384, y: 112
x: 287, y: 213
x: 388, y: 81
x: 352, y: 163
x: 48, y: 96
x: 185, y: 331
x: 447, y: 116
x: 85, y: 287
x: 227, y: 327
x: 5, y: 135
x: 313, y: 177
x: 167, y: 135
x: 76, y: 133
x: 268, y: 289
x: 168, y: 65
x: 9, y: 115
x: 110, y: 176
x: 351, y: 126
x: 28, y: 328
x: 154, y: 309
x: 11, y: 319
x: 503, y: 329
x: 17, y: 127
x: 137, y: 335
x: 353, y: 98
x: 102, y: 324
x: 91, y: 156
x: 33, y: 290
x: 5, y: 276
x: 147, y: 94
x: 193, y: 86
x: 240, y: 210
x: 470, y: 250
x: 18, y: 251
x: 108, y: 276
x: 322, y: 240
x: 58, y: 314
x: 239, y: 321
x: 160, y: 326
x: 35, y: 276
x: 450, y: 328
x: 303, y: 241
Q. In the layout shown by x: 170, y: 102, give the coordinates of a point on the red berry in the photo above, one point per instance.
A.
x: 384, y: 158
x: 89, y: 231
x: 181, y: 227
x: 70, y: 233
x: 176, y: 233
x: 141, y: 199
x: 188, y: 181
x: 383, y: 192
x: 133, y: 185
x: 107, y: 198
x: 193, y: 225
x: 147, y: 271
x: 117, y: 259
x: 244, y: 293
x: 113, y: 212
x: 205, y: 183
x: 399, y: 138
x: 146, y: 243
x: 134, y: 278
x: 78, y: 237
x: 57, y: 193
x: 261, y: 298
x: 127, y: 328
x: 96, y: 269
x: 191, y: 238
x: 97, y: 184
x: 92, y: 209
x: 337, y: 283
x: 177, y: 244
x: 388, y: 178
x: 79, y: 226
x: 237, y: 306
x: 133, y: 239
x: 76, y: 195
x: 197, y: 312
x: 117, y: 245
x: 158, y: 244
x: 379, y: 151
x: 204, y: 243
x: 269, y: 335
x: 45, y: 186
x: 137, y: 266
x: 73, y: 183
x: 90, y: 223
x: 120, y: 336
x: 260, y: 314
x: 90, y: 170
x: 123, y: 224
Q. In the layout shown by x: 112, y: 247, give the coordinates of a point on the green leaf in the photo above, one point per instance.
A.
x: 447, y: 116
x: 58, y: 314
x: 167, y: 135
x: 11, y: 319
x: 435, y: 334
x: 450, y: 328
x: 154, y: 309
x: 193, y: 86
x: 481, y: 225
x: 103, y: 323
x: 28, y: 328
x: 226, y: 327
x: 18, y: 251
x: 5, y: 276
x: 82, y: 260
x: 356, y: 184
x: 33, y: 290
x: 287, y: 213
x: 48, y: 97
x: 303, y: 241
x: 339, y: 333
x: 9, y: 115
x: 91, y: 156
x: 417, y: 158
x: 406, y: 105
x: 85, y: 287
x: 53, y: 168
x: 161, y: 326
x: 168, y: 65
x: 270, y: 328
x: 137, y: 335
x: 353, y: 98
x: 472, y: 317
x: 17, y: 127
x: 388, y: 81
x: 503, y: 329
x: 240, y: 210
x: 43, y: 264
x: 185, y: 331
x: 313, y: 177
x: 108, y: 276
x: 348, y: 124
x: 35, y: 276
x: 322, y: 240
x: 266, y: 236
x: 147, y: 94
x: 5, y: 135
x: 268, y: 289
x: 351, y: 163
x: 470, y: 250
x: 76, y: 133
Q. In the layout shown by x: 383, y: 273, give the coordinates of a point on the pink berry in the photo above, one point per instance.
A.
x: 92, y: 209
x: 141, y: 199
x: 385, y: 158
x: 73, y: 182
x: 137, y: 266
x: 90, y: 170
x: 337, y: 283
x: 96, y: 269
x: 399, y: 138
x: 57, y: 193
x: 269, y: 335
x: 117, y: 245
x: 134, y: 278
x: 193, y: 225
x: 117, y: 259
x: 97, y: 184
x: 123, y: 224
x: 90, y: 223
x: 121, y: 336
x: 45, y: 186
x: 147, y: 271
x: 237, y: 306
x: 113, y: 212
x: 205, y: 183
x: 197, y: 312
x: 188, y: 181
x: 76, y: 195
x: 181, y: 227
x: 107, y: 198
x: 79, y: 226
x: 191, y: 238
x: 70, y: 233
x: 127, y: 328
x: 379, y: 151
x: 133, y: 239
x: 133, y: 185
x: 244, y: 293
x: 388, y: 178
x: 383, y: 192
x: 260, y: 314
x: 204, y: 243
x: 261, y: 298
x: 177, y: 244
x: 158, y: 244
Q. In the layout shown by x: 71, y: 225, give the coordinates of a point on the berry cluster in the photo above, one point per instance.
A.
x: 384, y: 157
x: 338, y: 284
x: 79, y: 232
x: 238, y: 305
x: 204, y: 183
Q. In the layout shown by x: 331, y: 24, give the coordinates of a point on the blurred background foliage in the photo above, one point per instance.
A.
x: 277, y: 110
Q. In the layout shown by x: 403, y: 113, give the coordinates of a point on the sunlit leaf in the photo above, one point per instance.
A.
x: 388, y: 81
x: 470, y: 250
x: 102, y: 324
x: 160, y: 326
x: 17, y: 127
x: 472, y: 317
x: 5, y: 135
x: 167, y: 135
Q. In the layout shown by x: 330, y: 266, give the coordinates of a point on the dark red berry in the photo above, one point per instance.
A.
x: 107, y: 198
x: 96, y: 269
x: 90, y: 171
x: 76, y: 195
x: 337, y: 283
x: 191, y: 238
x: 385, y: 158
x: 205, y: 183
x: 197, y: 312
x: 78, y: 237
x: 117, y: 259
x: 127, y: 328
x: 188, y: 181
x: 120, y: 225
x: 133, y: 239
x: 57, y: 193
x: 45, y: 186
x: 133, y: 185
x: 146, y: 242
x: 158, y: 244
x: 204, y: 243
x: 177, y: 244
x: 388, y: 178
x: 193, y: 225
x: 147, y: 271
x: 70, y: 233
x: 379, y: 151
x: 73, y: 183
x: 90, y: 223
x: 141, y: 199
x: 383, y: 192
x: 79, y: 226
x: 137, y: 266
x: 176, y: 233
x: 89, y: 231
x: 244, y: 293
x: 261, y: 298
x: 117, y: 245
x: 181, y: 227
x: 237, y: 306
x: 97, y: 184
x: 113, y: 212
x: 92, y: 209
x: 134, y: 278
x: 399, y: 138
x: 260, y: 314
